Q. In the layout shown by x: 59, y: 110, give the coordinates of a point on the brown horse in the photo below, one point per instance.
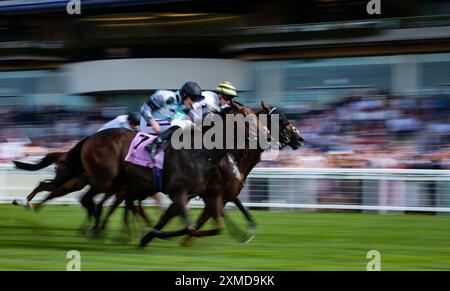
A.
x: 186, y: 171
x: 229, y: 179
x: 70, y: 177
x: 102, y: 145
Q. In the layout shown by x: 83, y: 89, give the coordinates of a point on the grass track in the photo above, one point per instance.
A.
x: 285, y: 241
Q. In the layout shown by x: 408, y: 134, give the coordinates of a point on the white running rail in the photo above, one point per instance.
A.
x: 380, y: 190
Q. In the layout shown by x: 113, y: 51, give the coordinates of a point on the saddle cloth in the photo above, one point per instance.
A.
x: 139, y: 156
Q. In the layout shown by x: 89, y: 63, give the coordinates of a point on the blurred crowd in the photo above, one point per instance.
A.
x: 33, y: 131
x: 378, y: 131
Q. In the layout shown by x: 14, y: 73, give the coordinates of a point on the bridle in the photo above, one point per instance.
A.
x: 284, y: 137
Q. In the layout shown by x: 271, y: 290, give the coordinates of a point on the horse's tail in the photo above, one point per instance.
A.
x: 46, y: 161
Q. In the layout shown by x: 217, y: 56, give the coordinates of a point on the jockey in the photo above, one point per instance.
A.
x: 158, y: 111
x: 214, y: 101
x: 130, y: 121
x: 226, y: 92
x: 173, y: 109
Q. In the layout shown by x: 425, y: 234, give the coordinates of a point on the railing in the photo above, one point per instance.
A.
x: 297, y: 188
x: 349, y: 189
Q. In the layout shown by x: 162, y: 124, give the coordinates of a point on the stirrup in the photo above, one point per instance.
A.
x: 152, y: 149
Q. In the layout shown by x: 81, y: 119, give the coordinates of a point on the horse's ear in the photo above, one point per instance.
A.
x: 265, y: 107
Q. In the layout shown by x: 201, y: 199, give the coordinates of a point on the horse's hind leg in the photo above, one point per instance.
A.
x: 170, y: 212
x: 158, y: 198
x: 215, y: 207
x: 48, y: 185
x: 112, y: 208
x: 97, y: 228
x: 88, y: 203
x: 143, y: 214
x: 72, y: 185
x: 202, y: 219
x: 179, y: 202
x: 129, y: 206
x: 99, y: 206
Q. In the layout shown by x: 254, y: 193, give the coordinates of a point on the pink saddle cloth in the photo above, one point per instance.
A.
x: 139, y: 156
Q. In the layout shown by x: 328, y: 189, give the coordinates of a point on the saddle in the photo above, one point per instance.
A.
x: 138, y: 155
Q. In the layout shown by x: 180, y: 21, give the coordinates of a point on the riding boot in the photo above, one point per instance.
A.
x: 153, y: 147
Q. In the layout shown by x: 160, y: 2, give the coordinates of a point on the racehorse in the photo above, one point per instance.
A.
x: 229, y: 179
x: 70, y: 177
x: 186, y: 172
x: 288, y: 137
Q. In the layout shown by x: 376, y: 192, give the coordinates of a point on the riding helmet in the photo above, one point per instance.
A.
x: 227, y: 90
x: 192, y: 90
x: 134, y: 118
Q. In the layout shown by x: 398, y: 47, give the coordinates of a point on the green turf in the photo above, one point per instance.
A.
x: 284, y: 241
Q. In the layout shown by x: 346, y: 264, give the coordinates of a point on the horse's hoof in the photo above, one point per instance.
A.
x: 187, y: 242
x: 249, y: 235
x: 21, y: 202
x: 247, y: 238
x: 146, y: 239
x: 96, y: 233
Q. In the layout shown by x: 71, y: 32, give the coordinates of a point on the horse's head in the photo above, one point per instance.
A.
x: 289, y: 134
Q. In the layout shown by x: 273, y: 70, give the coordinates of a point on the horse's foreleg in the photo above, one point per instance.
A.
x: 163, y: 220
x: 244, y: 211
x: 250, y: 234
x: 159, y: 203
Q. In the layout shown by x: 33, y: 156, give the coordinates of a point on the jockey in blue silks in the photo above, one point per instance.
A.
x: 166, y: 111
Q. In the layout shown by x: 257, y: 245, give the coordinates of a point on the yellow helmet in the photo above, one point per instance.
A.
x: 227, y: 90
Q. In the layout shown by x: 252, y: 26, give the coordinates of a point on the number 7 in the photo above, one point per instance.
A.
x: 144, y: 138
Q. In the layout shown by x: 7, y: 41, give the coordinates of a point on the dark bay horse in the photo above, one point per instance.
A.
x: 186, y: 172
x: 225, y: 173
x: 229, y: 178
x: 108, y: 176
x: 71, y: 177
